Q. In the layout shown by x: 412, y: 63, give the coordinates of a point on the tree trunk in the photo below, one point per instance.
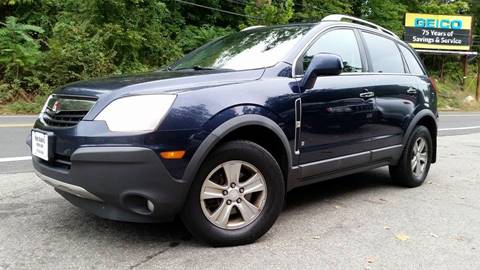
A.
x: 465, y: 72
x: 442, y: 70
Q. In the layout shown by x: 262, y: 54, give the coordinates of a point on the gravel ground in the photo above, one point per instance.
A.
x: 356, y: 222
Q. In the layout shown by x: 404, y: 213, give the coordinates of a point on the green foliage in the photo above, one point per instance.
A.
x: 388, y: 13
x: 25, y: 107
x: 315, y: 10
x: 75, y: 54
x: 13, y: 2
x: 446, y: 7
x: 19, y: 51
x: 268, y: 12
x: 137, y: 31
x: 475, y: 8
x: 93, y: 38
x: 47, y: 43
x: 452, y: 95
x: 5, y: 92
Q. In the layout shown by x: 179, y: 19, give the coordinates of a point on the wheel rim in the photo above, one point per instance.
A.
x: 233, y: 195
x: 420, y: 157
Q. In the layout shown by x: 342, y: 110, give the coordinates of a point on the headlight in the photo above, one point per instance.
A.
x: 136, y: 113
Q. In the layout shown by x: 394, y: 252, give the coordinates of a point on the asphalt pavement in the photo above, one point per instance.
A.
x: 14, y: 153
x: 356, y: 222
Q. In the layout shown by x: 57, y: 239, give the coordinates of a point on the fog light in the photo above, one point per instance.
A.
x: 150, y: 206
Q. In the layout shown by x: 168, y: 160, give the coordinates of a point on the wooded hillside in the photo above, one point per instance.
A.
x: 47, y: 43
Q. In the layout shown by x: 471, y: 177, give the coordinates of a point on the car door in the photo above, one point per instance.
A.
x: 395, y: 94
x: 337, y: 112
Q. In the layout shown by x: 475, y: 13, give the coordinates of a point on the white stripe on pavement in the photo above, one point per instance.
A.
x: 20, y: 116
x: 459, y: 128
x: 10, y: 159
x: 459, y: 115
x: 15, y: 125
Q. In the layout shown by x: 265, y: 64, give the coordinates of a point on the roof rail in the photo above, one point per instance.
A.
x: 252, y: 27
x: 340, y: 17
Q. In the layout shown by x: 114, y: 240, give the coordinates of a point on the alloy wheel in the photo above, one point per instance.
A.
x: 420, y: 157
x: 233, y: 194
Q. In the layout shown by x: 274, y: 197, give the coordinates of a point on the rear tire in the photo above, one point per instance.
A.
x: 413, y: 167
x: 236, y: 197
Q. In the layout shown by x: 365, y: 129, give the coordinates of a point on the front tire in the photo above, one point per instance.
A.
x: 236, y: 197
x: 414, y: 164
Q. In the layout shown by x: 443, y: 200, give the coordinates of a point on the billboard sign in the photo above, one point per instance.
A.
x: 441, y: 32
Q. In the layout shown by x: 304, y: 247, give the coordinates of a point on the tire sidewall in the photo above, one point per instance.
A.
x: 423, y: 132
x: 254, y: 154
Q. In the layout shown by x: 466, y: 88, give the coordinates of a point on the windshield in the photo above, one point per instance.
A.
x: 251, y: 49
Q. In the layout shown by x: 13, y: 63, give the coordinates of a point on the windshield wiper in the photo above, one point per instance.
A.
x: 197, y: 68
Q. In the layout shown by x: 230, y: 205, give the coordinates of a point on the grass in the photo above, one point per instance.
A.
x: 22, y: 107
x: 452, y: 96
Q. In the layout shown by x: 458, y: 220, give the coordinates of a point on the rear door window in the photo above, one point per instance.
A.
x: 412, y: 62
x: 384, y: 54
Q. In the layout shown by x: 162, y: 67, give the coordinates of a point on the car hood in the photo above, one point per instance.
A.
x: 155, y: 82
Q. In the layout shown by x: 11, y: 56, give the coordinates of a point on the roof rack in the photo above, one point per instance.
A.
x: 340, y: 17
x: 252, y: 27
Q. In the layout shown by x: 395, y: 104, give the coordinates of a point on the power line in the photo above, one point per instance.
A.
x: 215, y: 9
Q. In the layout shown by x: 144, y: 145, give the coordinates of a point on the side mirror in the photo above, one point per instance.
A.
x: 322, y: 64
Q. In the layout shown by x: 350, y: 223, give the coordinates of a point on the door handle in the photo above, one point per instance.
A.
x: 367, y: 94
x: 412, y: 91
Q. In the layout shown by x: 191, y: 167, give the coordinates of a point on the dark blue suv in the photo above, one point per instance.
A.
x: 220, y: 136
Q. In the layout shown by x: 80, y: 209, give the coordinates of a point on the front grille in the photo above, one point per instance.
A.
x: 66, y: 111
x: 63, y: 119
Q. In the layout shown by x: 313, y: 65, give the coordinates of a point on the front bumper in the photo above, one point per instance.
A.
x: 118, y: 183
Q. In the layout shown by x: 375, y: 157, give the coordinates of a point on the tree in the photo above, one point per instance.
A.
x: 441, y: 7
x: 59, y: 41
x: 267, y: 12
x: 315, y: 10
x: 387, y: 13
x: 19, y: 51
x: 475, y: 4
